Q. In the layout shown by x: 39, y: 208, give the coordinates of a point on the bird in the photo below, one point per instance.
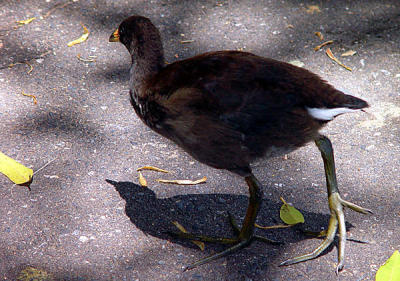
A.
x: 229, y: 108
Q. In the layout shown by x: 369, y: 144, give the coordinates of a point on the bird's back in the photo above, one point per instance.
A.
x: 240, y: 106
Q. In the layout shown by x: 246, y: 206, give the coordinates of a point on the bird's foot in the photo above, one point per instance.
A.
x: 336, y: 204
x: 238, y: 242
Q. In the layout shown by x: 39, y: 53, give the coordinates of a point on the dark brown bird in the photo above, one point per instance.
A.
x: 228, y: 108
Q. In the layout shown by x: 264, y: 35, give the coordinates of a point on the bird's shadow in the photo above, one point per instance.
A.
x: 205, y: 214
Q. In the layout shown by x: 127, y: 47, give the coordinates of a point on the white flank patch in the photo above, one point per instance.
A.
x: 328, y: 113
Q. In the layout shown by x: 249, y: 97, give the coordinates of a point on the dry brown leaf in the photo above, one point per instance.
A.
x: 142, y: 180
x: 319, y: 34
x: 323, y: 44
x: 332, y: 57
x: 26, y: 62
x: 348, y: 53
x: 152, y: 168
x: 182, y: 229
x: 290, y: 26
x: 311, y: 9
x: 81, y: 39
x: 184, y: 182
x: 32, y: 96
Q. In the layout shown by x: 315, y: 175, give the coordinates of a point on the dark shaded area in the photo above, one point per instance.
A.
x: 205, y: 214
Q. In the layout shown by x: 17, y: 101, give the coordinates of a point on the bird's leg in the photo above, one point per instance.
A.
x: 245, y: 235
x: 336, y: 204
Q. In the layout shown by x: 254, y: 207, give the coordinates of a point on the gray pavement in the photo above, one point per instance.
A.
x: 87, y: 218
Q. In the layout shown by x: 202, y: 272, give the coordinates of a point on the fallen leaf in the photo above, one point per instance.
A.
x: 23, y: 22
x: 15, y: 171
x: 319, y: 34
x: 349, y: 53
x: 289, y: 214
x: 290, y: 26
x: 152, y: 168
x: 311, y: 9
x: 184, y: 182
x: 323, y: 44
x: 142, y: 180
x: 81, y: 39
x: 332, y: 57
x: 390, y: 271
x: 29, y: 95
x: 33, y: 274
x: 182, y: 229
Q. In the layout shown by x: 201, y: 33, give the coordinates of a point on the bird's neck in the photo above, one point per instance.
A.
x: 147, y: 60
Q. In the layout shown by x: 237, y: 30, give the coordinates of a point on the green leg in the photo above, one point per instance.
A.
x: 245, y: 235
x: 336, y: 204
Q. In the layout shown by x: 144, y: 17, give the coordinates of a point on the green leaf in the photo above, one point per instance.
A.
x: 390, y: 271
x: 290, y: 215
x: 16, y: 172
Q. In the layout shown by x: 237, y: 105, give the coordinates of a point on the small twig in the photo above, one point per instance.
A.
x: 44, y: 166
x: 37, y: 171
x: 31, y: 67
x: 274, y: 226
x: 58, y: 6
x: 29, y: 95
x: 323, y: 44
x: 332, y: 57
x: 187, y: 41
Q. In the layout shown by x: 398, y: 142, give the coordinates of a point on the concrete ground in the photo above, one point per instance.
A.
x: 87, y: 218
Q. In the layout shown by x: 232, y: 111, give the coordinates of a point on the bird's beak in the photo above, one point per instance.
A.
x: 114, y: 37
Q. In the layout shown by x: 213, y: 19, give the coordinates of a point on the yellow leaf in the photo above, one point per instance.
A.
x: 349, y: 53
x: 390, y: 271
x: 142, y: 180
x: 289, y: 214
x: 29, y: 95
x: 152, y: 168
x: 16, y: 172
x: 319, y: 35
x: 184, y: 182
x: 182, y: 229
x: 81, y: 39
x: 311, y: 9
x: 31, y: 273
x: 22, y: 22
x: 332, y: 57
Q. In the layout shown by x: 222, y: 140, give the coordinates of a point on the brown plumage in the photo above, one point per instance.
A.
x: 226, y: 108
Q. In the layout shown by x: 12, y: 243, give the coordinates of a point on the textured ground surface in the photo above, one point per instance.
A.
x: 77, y: 226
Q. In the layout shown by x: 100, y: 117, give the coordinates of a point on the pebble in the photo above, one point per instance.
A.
x: 83, y: 239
